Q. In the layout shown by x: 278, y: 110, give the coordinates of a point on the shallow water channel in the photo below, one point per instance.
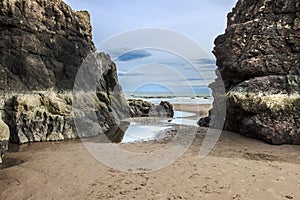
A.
x: 132, y: 132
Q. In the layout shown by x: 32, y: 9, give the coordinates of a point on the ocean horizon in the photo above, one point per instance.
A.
x: 173, y: 98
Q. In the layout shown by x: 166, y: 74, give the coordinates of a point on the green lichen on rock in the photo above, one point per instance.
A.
x: 4, y: 131
x: 56, y: 104
x: 49, y: 115
x: 274, y: 103
x: 50, y: 120
x: 270, y: 114
x: 4, y: 138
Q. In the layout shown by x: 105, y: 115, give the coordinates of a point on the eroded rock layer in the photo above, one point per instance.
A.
x: 258, y: 58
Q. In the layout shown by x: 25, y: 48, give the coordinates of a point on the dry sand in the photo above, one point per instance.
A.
x: 237, y: 168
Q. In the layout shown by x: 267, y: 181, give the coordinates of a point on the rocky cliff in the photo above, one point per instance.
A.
x: 43, y: 46
x: 258, y: 58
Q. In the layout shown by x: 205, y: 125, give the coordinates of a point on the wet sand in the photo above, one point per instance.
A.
x: 199, y: 109
x: 237, y: 168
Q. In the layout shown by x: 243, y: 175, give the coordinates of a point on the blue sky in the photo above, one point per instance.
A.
x: 198, y: 20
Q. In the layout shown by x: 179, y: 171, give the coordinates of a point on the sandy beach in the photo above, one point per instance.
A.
x: 237, y: 168
x: 73, y: 69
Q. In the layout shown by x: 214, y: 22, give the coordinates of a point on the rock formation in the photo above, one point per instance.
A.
x: 4, y: 137
x: 44, y: 44
x: 258, y: 58
x: 140, y: 108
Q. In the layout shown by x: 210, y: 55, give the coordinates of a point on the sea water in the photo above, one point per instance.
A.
x: 156, y: 98
x: 141, y: 133
x: 134, y: 132
x: 183, y: 118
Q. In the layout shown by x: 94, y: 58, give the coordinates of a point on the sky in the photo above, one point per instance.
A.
x: 159, y: 45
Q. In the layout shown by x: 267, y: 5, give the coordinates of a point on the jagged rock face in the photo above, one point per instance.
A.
x: 258, y: 58
x: 43, y: 43
x: 140, y: 108
x: 39, y: 117
x: 51, y: 115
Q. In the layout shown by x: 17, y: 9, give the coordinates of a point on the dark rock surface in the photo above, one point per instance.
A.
x: 43, y: 47
x: 258, y: 58
x: 43, y: 43
x: 140, y: 108
x: 204, y: 122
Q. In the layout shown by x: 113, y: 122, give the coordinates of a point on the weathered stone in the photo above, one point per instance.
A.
x: 260, y: 108
x: 258, y: 60
x: 141, y: 108
x: 44, y: 116
x: 49, y: 115
x: 44, y: 44
x: 168, y: 107
x: 4, y: 137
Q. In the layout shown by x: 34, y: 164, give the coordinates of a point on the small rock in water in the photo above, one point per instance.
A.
x: 141, y: 108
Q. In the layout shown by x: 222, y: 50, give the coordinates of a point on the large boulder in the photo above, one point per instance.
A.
x: 44, y: 44
x: 258, y: 59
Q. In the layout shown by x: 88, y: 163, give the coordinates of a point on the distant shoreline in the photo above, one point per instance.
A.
x: 204, y: 99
